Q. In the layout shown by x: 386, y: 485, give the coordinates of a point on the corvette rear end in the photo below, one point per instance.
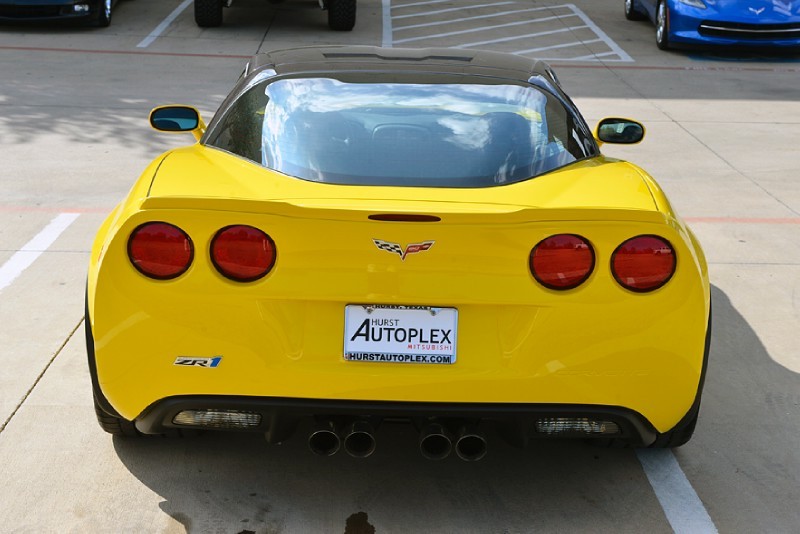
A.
x: 223, y: 295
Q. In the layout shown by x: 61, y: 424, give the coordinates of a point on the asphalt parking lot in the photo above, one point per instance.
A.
x: 722, y: 138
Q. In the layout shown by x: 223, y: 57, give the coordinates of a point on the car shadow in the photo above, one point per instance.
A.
x: 36, y: 108
x: 744, y: 452
x: 237, y: 483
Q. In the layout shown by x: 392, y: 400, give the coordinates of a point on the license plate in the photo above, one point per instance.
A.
x: 400, y: 334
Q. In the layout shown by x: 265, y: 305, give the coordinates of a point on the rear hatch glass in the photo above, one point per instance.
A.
x: 402, y: 134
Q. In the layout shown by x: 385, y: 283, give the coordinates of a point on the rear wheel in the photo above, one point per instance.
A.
x: 631, y: 12
x: 114, y: 425
x: 680, y: 435
x: 208, y: 13
x: 104, y: 14
x: 341, y: 15
x: 662, y: 25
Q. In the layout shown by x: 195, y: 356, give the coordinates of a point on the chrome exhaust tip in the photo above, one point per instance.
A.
x: 435, y: 442
x: 470, y: 445
x: 359, y: 441
x: 324, y: 440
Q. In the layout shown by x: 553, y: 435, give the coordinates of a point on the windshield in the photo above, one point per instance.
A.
x: 402, y: 134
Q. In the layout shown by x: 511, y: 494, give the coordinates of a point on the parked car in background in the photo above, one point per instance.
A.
x: 341, y: 13
x: 773, y: 23
x: 97, y: 12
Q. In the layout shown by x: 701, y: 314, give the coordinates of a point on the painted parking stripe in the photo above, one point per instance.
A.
x: 519, y: 37
x: 593, y: 56
x: 430, y: 2
x: 623, y: 56
x: 487, y: 28
x: 477, y: 17
x: 450, y: 10
x: 24, y: 257
x: 683, y: 508
x: 425, y: 18
x: 147, y: 41
x: 555, y: 47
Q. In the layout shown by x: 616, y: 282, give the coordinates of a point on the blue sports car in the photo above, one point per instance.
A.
x: 774, y: 23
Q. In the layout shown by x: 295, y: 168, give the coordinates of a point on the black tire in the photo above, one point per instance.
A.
x: 115, y: 425
x: 341, y: 15
x: 104, y: 9
x: 662, y: 26
x: 208, y: 13
x: 680, y: 435
x: 631, y: 13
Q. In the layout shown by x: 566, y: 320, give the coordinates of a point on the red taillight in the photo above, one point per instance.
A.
x: 562, y: 261
x: 242, y: 253
x: 160, y: 250
x: 643, y: 263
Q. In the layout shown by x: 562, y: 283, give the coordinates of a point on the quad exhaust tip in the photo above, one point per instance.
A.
x: 470, y: 444
x: 359, y: 441
x: 324, y: 439
x: 435, y: 442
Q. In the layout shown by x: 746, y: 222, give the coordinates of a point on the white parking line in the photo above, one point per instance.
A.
x: 683, y: 508
x: 147, y: 41
x: 486, y: 28
x: 555, y: 47
x: 427, y: 13
x: 428, y: 25
x: 422, y: 4
x: 623, y: 56
x: 24, y: 257
x: 593, y: 56
x: 518, y: 37
x: 386, y: 42
x: 464, y: 19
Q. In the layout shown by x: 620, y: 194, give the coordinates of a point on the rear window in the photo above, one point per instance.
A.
x: 401, y: 134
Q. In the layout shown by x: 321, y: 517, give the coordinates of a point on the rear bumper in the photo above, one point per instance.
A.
x: 278, y: 417
x: 282, y: 337
x: 49, y: 10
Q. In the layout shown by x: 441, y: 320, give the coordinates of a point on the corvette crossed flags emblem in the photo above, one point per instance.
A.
x: 395, y: 248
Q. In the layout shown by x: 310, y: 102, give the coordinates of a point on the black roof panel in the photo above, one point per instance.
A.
x: 356, y: 58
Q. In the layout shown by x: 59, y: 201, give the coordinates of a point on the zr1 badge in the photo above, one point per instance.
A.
x: 198, y: 362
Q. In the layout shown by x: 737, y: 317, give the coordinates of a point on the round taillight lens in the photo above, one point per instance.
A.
x: 242, y: 253
x: 643, y: 263
x: 562, y: 261
x: 160, y: 250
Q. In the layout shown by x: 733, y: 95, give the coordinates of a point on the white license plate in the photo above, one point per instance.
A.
x: 400, y: 334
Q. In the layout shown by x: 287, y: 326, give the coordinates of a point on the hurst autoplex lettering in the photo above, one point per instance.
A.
x: 389, y: 330
x: 397, y: 358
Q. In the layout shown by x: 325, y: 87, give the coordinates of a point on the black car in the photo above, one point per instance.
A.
x: 341, y: 13
x: 97, y: 12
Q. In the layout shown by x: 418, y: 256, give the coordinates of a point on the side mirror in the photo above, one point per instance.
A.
x: 177, y: 119
x: 619, y: 131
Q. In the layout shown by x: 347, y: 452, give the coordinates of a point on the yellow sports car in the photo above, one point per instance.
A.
x: 428, y: 236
